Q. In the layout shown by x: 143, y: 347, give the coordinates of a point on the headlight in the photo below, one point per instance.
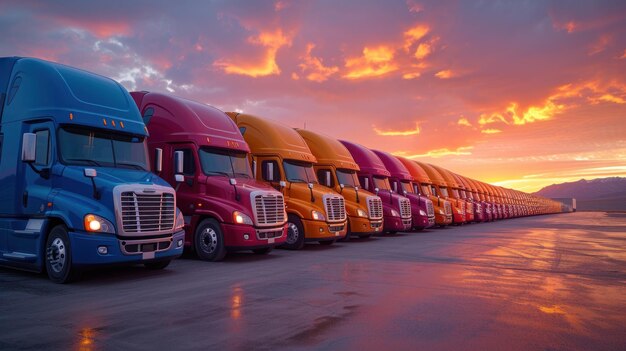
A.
x: 395, y: 213
x: 459, y: 211
x: 441, y: 212
x: 318, y: 216
x: 361, y: 213
x: 180, y: 220
x: 241, y: 218
x: 97, y: 224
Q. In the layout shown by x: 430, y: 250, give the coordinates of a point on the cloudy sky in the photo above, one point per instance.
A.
x: 516, y: 93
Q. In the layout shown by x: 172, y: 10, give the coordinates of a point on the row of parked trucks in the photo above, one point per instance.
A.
x: 93, y: 175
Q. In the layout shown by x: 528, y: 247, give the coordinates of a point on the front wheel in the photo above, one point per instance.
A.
x: 348, y: 233
x: 156, y: 265
x: 209, y: 241
x: 59, y: 256
x: 295, y: 233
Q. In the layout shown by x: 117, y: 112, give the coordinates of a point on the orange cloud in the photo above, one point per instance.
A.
x: 460, y: 151
x: 415, y: 131
x: 570, y: 26
x: 463, y: 122
x: 281, y: 5
x: 317, y: 72
x: 413, y: 35
x: 491, y: 131
x: 445, y: 74
x: 411, y: 75
x: 374, y: 62
x: 612, y: 98
x: 271, y: 41
x: 414, y: 6
x: 623, y: 55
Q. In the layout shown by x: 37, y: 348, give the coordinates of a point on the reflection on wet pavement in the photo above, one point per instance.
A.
x: 544, y: 283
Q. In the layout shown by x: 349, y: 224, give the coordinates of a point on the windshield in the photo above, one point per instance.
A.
x: 299, y: 172
x: 223, y: 162
x: 425, y: 189
x: 444, y: 191
x: 455, y: 193
x: 347, y: 178
x: 406, y: 186
x: 381, y: 183
x: 87, y: 147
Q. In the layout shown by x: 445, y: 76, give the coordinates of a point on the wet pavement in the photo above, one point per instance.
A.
x: 543, y: 283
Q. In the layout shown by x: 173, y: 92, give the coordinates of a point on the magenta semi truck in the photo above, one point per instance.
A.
x: 374, y: 177
x: 401, y: 182
x: 224, y: 207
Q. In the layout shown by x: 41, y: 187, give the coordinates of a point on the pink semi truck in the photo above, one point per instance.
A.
x: 374, y: 177
x: 224, y: 207
x: 401, y: 182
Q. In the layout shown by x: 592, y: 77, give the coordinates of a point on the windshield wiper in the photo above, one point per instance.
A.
x: 296, y: 180
x: 91, y: 162
x: 245, y: 175
x: 135, y: 166
x: 226, y: 174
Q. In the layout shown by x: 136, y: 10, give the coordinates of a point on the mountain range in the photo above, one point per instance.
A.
x: 602, y: 194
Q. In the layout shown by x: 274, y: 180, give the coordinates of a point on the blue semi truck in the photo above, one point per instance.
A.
x: 76, y: 190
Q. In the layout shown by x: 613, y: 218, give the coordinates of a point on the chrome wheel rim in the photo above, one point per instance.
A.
x: 208, y: 240
x: 292, y: 233
x: 56, y: 255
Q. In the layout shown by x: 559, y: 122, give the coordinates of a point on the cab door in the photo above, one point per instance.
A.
x: 187, y: 191
x: 34, y: 187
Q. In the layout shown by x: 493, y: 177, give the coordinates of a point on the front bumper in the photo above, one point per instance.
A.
x: 235, y: 236
x: 396, y: 224
x: 85, y: 249
x: 321, y: 230
x: 362, y: 225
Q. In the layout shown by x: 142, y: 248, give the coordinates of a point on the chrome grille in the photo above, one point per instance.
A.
x: 430, y: 209
x: 405, y: 207
x: 147, y: 213
x: 448, y: 208
x: 269, y: 208
x: 375, y: 207
x: 335, y: 208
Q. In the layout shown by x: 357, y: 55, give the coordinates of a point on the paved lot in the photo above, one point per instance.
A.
x: 544, y: 283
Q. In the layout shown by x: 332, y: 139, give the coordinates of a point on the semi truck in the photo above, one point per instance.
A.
x: 442, y: 208
x: 439, y: 187
x: 454, y: 193
x: 401, y: 182
x: 225, y: 208
x: 336, y: 169
x: 281, y: 158
x: 373, y: 176
x: 77, y: 187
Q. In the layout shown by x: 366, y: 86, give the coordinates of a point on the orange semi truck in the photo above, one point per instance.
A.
x: 440, y: 189
x: 443, y: 209
x: 336, y: 169
x: 282, y: 158
x: 454, y: 194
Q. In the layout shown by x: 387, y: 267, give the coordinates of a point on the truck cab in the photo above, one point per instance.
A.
x: 472, y: 195
x: 336, y: 169
x: 374, y: 177
x: 455, y: 196
x: 440, y: 188
x: 77, y: 187
x: 442, y: 208
x: 401, y: 182
x: 225, y: 208
x: 281, y: 158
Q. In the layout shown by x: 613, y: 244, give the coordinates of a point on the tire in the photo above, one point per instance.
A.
x: 327, y: 242
x: 209, y: 241
x: 58, y: 256
x: 295, y: 233
x: 263, y: 251
x: 157, y: 265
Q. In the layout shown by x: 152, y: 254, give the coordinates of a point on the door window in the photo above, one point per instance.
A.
x: 42, y: 155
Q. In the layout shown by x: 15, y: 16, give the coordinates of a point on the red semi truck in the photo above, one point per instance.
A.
x: 225, y: 208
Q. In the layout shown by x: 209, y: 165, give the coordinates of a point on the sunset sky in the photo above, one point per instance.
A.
x: 521, y: 94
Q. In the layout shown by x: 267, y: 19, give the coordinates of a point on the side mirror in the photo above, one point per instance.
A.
x: 90, y: 173
x: 270, y: 171
x: 179, y: 178
x: 29, y: 147
x: 158, y: 160
x: 310, y: 185
x: 282, y: 183
x: 254, y: 168
x: 341, y: 186
x: 179, y: 160
x: 356, y: 188
x: 376, y: 190
x: 404, y: 192
x: 233, y: 181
